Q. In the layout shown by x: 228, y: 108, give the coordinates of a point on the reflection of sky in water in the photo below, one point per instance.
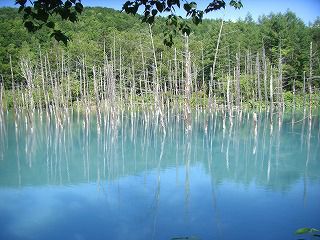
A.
x: 229, y: 186
x: 128, y: 209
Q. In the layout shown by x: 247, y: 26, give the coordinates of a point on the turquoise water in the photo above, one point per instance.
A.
x: 131, y: 179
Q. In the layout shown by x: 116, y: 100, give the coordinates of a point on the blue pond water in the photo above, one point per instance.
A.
x: 130, y: 179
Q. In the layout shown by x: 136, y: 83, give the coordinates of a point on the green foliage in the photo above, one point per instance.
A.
x: 124, y: 35
x: 312, y: 232
x: 8, y: 99
x: 38, y: 15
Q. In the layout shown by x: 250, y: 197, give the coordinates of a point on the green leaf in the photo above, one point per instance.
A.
x: 193, y: 5
x: 37, y: 5
x: 28, y: 10
x: 303, y: 231
x: 168, y: 41
x: 159, y: 6
x: 64, y: 13
x: 174, y: 21
x: 200, y: 14
x: 146, y: 13
x: 126, y: 6
x: 154, y: 12
x: 187, y: 7
x: 150, y: 20
x: 186, y: 30
x: 42, y: 15
x: 196, y: 20
x: 50, y: 24
x: 20, y: 8
x: 135, y: 9
x: 59, y: 36
x: 29, y: 26
x: 68, y: 4
x: 216, y: 5
x: 178, y: 3
x: 73, y: 17
x: 232, y: 2
x: 236, y: 4
x: 21, y: 2
x: 79, y: 7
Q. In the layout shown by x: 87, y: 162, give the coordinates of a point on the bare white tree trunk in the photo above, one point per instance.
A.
x: 157, y: 103
x: 188, y: 84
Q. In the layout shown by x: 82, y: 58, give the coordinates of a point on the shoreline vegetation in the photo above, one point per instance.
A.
x: 139, y: 74
x: 55, y: 89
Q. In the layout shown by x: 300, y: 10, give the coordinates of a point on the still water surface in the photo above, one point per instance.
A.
x: 130, y: 179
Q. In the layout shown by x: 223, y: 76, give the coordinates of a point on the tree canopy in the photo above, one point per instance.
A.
x: 97, y: 27
x: 40, y: 13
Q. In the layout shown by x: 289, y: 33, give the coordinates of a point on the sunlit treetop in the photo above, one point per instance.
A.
x: 37, y: 14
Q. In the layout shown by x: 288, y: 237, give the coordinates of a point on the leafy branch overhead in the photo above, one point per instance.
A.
x: 39, y: 14
x: 175, y: 23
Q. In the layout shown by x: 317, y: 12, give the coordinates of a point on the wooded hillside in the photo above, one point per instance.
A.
x: 279, y: 46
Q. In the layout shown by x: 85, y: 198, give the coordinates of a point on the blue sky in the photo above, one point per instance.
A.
x: 307, y: 10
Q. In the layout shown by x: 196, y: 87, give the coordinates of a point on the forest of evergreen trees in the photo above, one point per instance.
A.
x: 249, y: 53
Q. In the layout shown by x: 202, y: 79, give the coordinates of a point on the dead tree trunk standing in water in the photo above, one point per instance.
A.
x: 293, y: 101
x: 228, y: 105
x: 280, y: 102
x: 27, y: 73
x: 188, y: 83
x: 202, y: 67
x: 229, y: 98
x: 44, y: 77
x: 144, y: 75
x: 217, y: 49
x: 176, y: 81
x: 238, y: 96
x: 265, y: 77
x: 157, y: 103
x: 251, y: 78
x: 212, y: 75
x: 271, y: 95
x: 13, y: 89
x: 258, y: 80
x: 281, y: 98
x: 310, y: 86
x: 97, y: 100
x: 210, y: 91
x: 304, y: 95
x: 120, y: 75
